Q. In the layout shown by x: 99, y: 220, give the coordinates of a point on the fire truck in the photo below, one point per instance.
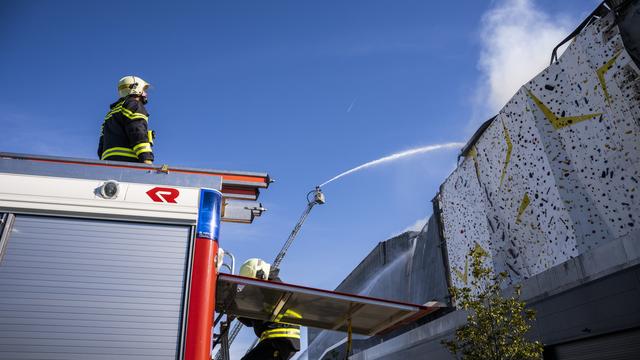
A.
x: 104, y: 260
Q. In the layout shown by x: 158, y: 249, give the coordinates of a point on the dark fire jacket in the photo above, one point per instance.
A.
x: 124, y: 135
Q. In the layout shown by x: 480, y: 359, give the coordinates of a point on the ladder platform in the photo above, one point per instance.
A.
x: 273, y: 301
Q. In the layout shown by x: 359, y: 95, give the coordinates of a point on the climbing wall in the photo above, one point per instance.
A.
x: 556, y: 173
x: 465, y: 200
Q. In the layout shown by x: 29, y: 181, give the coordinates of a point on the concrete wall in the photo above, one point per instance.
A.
x: 557, y: 171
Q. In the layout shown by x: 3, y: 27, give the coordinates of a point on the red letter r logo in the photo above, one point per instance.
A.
x: 163, y: 194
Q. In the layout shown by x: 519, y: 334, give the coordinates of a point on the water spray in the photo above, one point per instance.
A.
x: 392, y: 157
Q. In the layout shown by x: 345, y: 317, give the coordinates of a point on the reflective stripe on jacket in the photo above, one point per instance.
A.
x: 273, y: 331
x: 124, y: 135
x: 292, y: 333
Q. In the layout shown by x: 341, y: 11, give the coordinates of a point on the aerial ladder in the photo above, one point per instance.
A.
x: 227, y: 334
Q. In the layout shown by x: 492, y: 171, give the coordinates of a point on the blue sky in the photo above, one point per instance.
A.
x: 300, y: 89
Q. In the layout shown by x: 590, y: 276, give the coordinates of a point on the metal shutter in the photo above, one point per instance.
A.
x: 618, y: 346
x: 92, y: 289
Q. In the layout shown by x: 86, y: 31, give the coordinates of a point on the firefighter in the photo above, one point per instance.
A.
x: 278, y: 341
x: 124, y: 135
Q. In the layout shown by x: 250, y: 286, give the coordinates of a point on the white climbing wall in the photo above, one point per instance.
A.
x: 557, y: 172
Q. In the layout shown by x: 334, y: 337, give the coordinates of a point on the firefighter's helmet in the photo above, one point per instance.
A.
x: 132, y: 85
x: 255, y: 268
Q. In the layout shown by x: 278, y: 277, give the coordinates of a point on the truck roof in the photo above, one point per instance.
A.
x: 235, y: 184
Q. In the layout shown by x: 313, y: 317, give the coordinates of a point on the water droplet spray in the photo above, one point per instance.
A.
x: 396, y: 156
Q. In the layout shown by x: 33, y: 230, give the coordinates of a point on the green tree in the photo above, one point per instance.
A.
x: 496, y: 325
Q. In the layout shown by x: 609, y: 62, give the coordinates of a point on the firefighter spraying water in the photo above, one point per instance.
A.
x: 314, y: 197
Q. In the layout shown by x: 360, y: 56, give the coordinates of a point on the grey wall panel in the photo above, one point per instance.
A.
x: 90, y: 289
x: 408, y: 267
x: 384, y: 273
x: 428, y: 279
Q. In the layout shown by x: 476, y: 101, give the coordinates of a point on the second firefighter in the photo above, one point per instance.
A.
x: 278, y: 340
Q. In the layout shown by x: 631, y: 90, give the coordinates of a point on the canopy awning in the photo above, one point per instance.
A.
x: 265, y: 300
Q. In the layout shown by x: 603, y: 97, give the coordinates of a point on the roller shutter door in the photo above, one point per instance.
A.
x: 623, y: 345
x: 91, y: 289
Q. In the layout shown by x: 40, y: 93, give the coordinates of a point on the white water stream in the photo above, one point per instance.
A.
x: 392, y: 157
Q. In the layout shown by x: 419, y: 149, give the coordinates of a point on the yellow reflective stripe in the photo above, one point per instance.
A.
x: 293, y: 314
x: 280, y: 336
x: 116, y: 148
x: 116, y: 153
x: 135, y: 116
x: 131, y: 115
x: 126, y: 112
x: 142, y: 148
x: 144, y: 144
x: 117, y: 107
x: 281, y: 330
x: 115, y: 110
x: 280, y: 333
x: 289, y: 313
x: 142, y: 151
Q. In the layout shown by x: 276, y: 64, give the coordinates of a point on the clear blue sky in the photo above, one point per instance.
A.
x: 300, y: 89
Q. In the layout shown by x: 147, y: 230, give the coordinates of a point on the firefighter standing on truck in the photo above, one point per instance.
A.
x: 277, y: 340
x: 124, y: 135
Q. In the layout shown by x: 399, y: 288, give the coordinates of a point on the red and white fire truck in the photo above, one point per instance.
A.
x: 105, y: 260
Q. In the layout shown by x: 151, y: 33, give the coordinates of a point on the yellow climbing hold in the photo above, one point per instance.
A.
x: 602, y: 71
x: 464, y: 277
x: 473, y: 153
x: 507, y: 139
x: 523, y: 206
x: 559, y: 122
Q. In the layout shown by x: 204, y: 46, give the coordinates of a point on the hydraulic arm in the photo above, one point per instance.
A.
x: 314, y: 197
x: 318, y: 198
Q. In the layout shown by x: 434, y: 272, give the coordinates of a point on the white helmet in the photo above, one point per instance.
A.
x: 255, y: 268
x: 131, y: 85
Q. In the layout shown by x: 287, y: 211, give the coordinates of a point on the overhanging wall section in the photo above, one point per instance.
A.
x: 557, y: 172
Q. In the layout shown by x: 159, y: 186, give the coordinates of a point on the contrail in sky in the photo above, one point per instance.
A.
x: 352, y: 103
x: 420, y: 150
